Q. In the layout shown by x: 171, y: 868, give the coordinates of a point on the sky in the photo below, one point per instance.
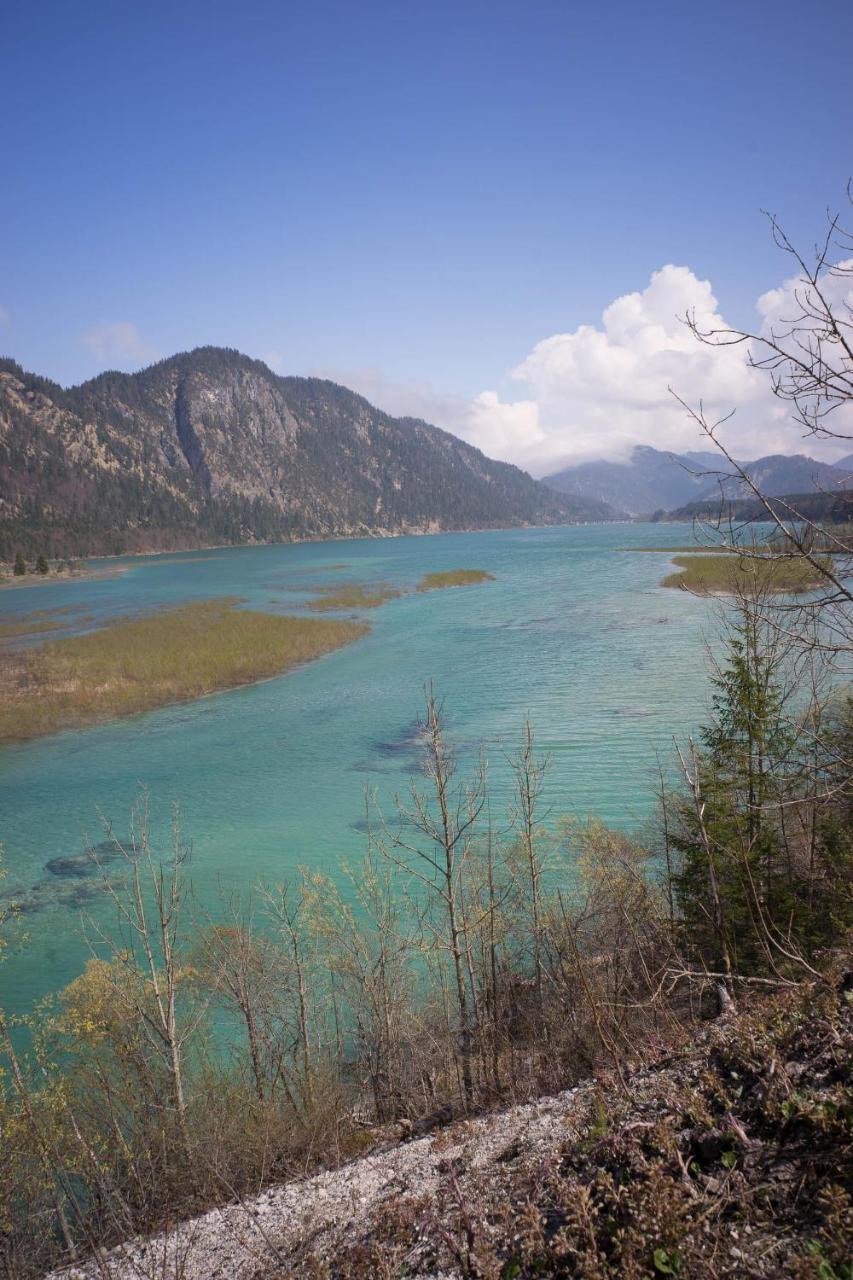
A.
x: 491, y: 215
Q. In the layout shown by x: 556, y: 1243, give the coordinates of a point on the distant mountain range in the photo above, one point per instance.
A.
x: 213, y: 447
x: 654, y: 481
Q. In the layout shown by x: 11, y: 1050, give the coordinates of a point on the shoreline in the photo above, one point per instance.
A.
x: 347, y: 536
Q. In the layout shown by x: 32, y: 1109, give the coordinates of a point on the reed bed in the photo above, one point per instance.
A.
x: 355, y: 596
x: 454, y: 578
x: 728, y: 573
x: 173, y: 656
x: 8, y: 630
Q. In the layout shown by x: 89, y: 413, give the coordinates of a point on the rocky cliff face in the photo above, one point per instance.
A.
x: 212, y: 446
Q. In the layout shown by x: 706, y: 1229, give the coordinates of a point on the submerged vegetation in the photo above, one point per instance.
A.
x: 477, y: 960
x: 726, y: 571
x: 353, y: 596
x: 172, y: 656
x: 454, y: 578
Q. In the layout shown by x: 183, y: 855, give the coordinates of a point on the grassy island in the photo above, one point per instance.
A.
x: 454, y: 578
x: 725, y: 572
x: 172, y: 656
x: 353, y: 596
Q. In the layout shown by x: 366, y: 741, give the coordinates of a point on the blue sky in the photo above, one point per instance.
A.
x: 409, y: 197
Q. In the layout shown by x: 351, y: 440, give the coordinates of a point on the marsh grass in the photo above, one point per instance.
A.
x: 352, y: 596
x: 8, y: 630
x: 726, y: 572
x: 695, y: 549
x: 172, y: 656
x: 454, y: 578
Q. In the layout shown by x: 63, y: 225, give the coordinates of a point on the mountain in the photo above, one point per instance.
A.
x: 824, y: 508
x: 213, y: 447
x: 650, y: 481
x: 845, y: 463
x: 779, y: 474
x: 654, y: 481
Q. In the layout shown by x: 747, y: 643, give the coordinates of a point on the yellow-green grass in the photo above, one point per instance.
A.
x: 172, y: 656
x: 454, y: 578
x: 695, y: 549
x: 727, y: 573
x: 352, y: 596
x: 25, y: 628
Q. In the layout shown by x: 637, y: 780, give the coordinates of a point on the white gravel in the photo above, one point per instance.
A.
x: 250, y: 1239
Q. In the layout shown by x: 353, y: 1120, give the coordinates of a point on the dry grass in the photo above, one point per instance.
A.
x: 454, y: 578
x: 725, y: 572
x: 24, y: 628
x: 172, y: 656
x: 695, y: 549
x: 353, y: 596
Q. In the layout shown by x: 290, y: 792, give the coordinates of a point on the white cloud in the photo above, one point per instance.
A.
x: 119, y: 343
x: 598, y: 390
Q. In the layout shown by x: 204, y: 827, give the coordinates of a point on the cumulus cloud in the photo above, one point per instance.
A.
x: 119, y: 343
x: 598, y: 390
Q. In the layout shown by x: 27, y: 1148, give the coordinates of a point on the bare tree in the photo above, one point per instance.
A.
x: 446, y: 817
x: 150, y: 905
x: 808, y: 358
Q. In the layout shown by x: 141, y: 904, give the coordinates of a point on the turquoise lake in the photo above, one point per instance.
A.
x: 575, y: 631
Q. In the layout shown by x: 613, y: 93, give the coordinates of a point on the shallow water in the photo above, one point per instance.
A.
x: 574, y: 631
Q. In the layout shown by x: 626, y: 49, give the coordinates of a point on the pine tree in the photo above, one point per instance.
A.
x: 42, y: 565
x: 20, y: 565
x: 731, y: 850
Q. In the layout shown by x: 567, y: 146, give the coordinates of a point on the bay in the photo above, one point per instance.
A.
x: 575, y: 631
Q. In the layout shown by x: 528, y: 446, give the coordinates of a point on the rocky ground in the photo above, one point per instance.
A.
x: 729, y: 1157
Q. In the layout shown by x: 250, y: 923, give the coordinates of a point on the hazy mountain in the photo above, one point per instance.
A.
x: 653, y: 480
x: 211, y: 446
x: 779, y: 474
x: 845, y: 463
x: 650, y: 481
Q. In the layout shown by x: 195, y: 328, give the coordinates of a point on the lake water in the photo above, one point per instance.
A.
x: 575, y: 630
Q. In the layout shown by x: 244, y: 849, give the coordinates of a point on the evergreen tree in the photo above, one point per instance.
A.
x: 20, y: 565
x: 42, y: 565
x: 728, y: 833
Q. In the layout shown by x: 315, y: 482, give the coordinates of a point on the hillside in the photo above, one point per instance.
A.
x: 212, y: 447
x: 653, y: 480
x: 835, y: 507
x: 727, y: 1157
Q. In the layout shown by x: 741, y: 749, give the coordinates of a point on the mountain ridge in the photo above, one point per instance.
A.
x: 211, y: 446
x: 657, y: 481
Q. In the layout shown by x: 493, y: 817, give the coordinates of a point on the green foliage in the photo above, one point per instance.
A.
x: 764, y: 838
x: 41, y: 565
x: 20, y: 565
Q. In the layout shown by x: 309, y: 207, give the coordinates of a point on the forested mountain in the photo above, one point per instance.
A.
x: 824, y: 508
x: 212, y: 447
x: 653, y: 480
